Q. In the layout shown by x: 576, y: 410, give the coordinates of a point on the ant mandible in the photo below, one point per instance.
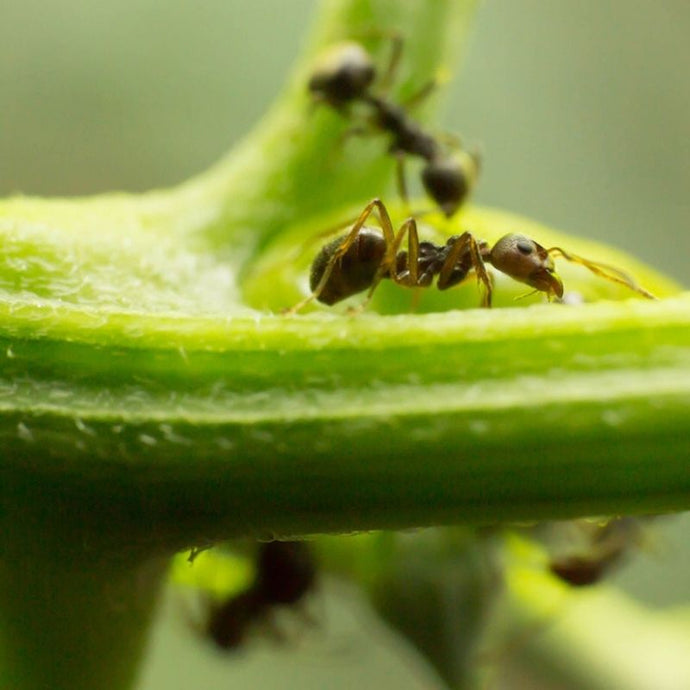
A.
x: 360, y: 259
x: 285, y: 574
x: 346, y: 75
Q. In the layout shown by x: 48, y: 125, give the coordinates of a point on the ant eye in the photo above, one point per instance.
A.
x: 524, y: 247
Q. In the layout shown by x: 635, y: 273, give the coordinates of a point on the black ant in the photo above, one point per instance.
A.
x: 346, y: 76
x: 285, y: 574
x: 364, y: 256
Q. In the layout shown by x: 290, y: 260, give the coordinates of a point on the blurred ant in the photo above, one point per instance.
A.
x: 364, y: 256
x: 345, y: 77
x: 607, y: 546
x: 285, y: 574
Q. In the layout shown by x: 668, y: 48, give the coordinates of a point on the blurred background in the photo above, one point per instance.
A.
x: 582, y: 111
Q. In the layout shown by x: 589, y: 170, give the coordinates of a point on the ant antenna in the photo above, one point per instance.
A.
x: 606, y: 271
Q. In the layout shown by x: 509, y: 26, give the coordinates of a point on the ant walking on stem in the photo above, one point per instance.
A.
x: 345, y: 77
x: 362, y: 258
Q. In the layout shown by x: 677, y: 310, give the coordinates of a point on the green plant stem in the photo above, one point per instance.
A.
x: 74, y: 614
x: 563, y: 425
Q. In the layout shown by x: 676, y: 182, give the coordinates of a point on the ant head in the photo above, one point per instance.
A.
x: 449, y: 179
x: 344, y: 73
x: 527, y: 262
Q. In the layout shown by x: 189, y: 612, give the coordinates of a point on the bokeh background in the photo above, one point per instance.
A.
x: 582, y: 110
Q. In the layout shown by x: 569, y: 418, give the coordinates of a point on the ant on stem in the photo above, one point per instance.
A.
x: 285, y: 574
x: 606, y: 546
x: 362, y: 258
x: 345, y: 77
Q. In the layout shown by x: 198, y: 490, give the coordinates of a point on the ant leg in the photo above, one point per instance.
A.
x: 386, y: 81
x: 393, y: 241
x: 420, y: 95
x: 391, y: 70
x: 451, y: 140
x: 606, y: 271
x: 467, y: 244
x: 386, y: 226
x: 400, y: 179
x: 483, y: 275
x: 409, y: 277
x: 354, y: 131
x: 357, y: 130
x: 455, y: 142
x: 412, y: 252
x: 384, y: 219
x: 459, y: 248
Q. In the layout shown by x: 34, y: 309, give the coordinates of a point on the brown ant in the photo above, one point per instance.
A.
x: 606, y: 547
x: 285, y: 574
x: 345, y: 77
x: 360, y: 259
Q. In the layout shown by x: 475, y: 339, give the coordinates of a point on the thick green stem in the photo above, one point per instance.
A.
x: 74, y: 615
x: 428, y: 419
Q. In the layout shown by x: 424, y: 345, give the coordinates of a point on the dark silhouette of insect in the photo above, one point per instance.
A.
x: 345, y: 77
x: 608, y: 544
x: 285, y: 575
x: 364, y: 256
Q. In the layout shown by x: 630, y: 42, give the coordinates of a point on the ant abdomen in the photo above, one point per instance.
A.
x: 352, y: 272
x: 449, y: 179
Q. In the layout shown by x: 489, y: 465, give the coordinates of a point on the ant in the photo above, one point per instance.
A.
x: 607, y: 545
x: 345, y: 77
x: 285, y: 574
x: 364, y: 256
